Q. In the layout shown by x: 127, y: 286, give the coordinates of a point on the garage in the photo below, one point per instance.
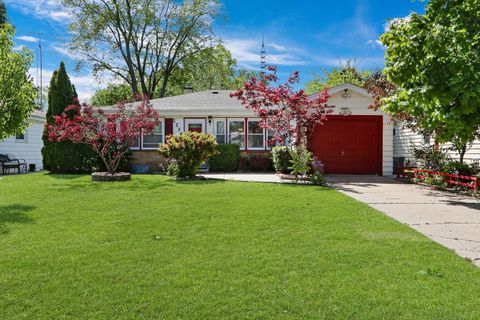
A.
x: 349, y: 144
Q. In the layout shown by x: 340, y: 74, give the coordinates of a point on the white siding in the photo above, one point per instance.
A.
x: 358, y: 105
x: 30, y: 148
x: 405, y: 140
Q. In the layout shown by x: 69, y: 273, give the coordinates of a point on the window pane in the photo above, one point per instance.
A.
x: 220, y: 128
x: 136, y: 144
x: 154, y: 139
x: 255, y: 141
x: 20, y: 136
x: 254, y: 127
x: 237, y: 126
x: 238, y: 139
x: 220, y: 138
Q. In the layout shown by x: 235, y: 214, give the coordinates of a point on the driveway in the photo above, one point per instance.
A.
x: 449, y: 219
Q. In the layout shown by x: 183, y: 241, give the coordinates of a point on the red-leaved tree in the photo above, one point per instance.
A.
x: 110, y: 133
x: 289, y: 114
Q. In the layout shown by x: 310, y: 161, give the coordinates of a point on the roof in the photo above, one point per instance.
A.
x: 202, y: 103
x: 37, y: 114
x: 346, y: 86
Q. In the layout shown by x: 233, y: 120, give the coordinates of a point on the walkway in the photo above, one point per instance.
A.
x: 449, y: 219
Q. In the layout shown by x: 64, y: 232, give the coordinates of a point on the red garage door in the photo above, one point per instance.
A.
x: 349, y: 144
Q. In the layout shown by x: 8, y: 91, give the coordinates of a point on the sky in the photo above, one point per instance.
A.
x: 302, y: 35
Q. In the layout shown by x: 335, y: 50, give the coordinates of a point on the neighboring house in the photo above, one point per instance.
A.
x: 405, y: 141
x: 355, y: 139
x: 28, y: 145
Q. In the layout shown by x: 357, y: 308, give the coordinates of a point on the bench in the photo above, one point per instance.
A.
x: 9, y: 161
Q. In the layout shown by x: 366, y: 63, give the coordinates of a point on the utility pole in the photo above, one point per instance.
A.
x: 263, y: 59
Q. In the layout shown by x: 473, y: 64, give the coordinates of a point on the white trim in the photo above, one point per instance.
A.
x: 201, y: 121
x: 162, y: 122
x: 244, y: 130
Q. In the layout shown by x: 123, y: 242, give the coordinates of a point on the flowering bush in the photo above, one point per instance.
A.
x: 187, y: 151
x: 110, y: 134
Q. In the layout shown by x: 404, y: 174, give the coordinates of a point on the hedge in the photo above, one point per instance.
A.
x: 227, y: 160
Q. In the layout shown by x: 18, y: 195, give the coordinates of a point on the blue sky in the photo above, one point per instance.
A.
x: 300, y: 35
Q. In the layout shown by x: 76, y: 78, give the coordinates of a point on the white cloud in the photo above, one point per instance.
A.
x: 375, y: 44
x: 86, y: 85
x: 28, y: 39
x: 65, y: 51
x: 42, y: 9
x: 247, y: 53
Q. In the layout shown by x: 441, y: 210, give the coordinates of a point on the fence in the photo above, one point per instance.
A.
x: 450, y: 179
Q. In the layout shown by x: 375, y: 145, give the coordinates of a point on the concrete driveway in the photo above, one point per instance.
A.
x: 449, y: 219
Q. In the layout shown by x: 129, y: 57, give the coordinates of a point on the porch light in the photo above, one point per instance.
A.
x: 210, y: 118
x: 346, y: 94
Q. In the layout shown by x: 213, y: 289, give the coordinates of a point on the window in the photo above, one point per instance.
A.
x: 236, y: 132
x: 153, y: 140
x: 20, y: 137
x: 136, y: 144
x: 270, y: 137
x: 255, y: 135
x: 219, y: 130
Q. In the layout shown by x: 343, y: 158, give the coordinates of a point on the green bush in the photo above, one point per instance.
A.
x: 226, y: 160
x: 67, y: 157
x: 301, y: 161
x: 187, y: 151
x: 455, y: 167
x: 281, y: 158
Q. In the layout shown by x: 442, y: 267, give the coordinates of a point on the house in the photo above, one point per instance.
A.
x: 28, y: 145
x: 355, y: 139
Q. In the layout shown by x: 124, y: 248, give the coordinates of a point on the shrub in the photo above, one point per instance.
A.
x: 226, y: 160
x: 188, y: 151
x: 301, y: 161
x: 431, y: 157
x: 67, y: 157
x: 455, y: 167
x: 281, y: 158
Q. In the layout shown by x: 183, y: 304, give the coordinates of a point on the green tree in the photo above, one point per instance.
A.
x: 112, y: 95
x: 3, y: 13
x: 336, y: 76
x: 17, y: 92
x: 141, y: 41
x: 434, y: 60
x: 211, y: 68
x: 64, y: 157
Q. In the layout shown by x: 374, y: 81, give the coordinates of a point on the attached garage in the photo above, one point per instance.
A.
x: 355, y: 139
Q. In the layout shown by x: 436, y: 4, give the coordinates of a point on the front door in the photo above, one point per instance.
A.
x: 195, y: 125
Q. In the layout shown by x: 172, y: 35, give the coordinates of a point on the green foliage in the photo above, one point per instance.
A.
x: 65, y: 157
x: 431, y: 157
x: 188, y: 151
x: 17, y: 92
x: 336, y: 76
x: 226, y: 160
x: 434, y: 59
x: 3, y: 13
x: 456, y: 167
x: 317, y: 179
x: 112, y: 95
x: 301, y: 161
x: 281, y: 158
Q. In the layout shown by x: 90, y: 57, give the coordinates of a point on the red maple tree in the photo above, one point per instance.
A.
x: 290, y: 115
x: 110, y: 133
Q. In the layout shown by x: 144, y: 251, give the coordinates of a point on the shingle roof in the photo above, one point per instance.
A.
x: 205, y: 102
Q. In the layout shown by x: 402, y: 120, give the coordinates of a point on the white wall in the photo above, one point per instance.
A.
x: 405, y: 140
x: 358, y: 105
x: 30, y: 148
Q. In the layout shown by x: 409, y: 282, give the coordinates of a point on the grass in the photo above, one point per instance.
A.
x: 154, y: 248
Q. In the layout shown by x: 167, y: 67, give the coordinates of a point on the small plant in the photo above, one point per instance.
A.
x: 317, y: 177
x: 281, y: 158
x: 456, y: 167
x: 431, y: 157
x: 187, y: 151
x: 301, y: 161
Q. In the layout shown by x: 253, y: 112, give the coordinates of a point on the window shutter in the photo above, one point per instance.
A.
x: 168, y: 127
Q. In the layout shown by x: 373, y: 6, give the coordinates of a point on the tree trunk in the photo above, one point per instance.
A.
x: 461, y: 152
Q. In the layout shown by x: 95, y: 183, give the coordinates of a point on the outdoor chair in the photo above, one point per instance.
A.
x: 7, y: 164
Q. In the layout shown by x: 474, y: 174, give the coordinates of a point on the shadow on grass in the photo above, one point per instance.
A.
x: 14, y: 213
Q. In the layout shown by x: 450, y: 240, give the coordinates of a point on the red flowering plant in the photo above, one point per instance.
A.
x: 290, y: 115
x: 109, y: 133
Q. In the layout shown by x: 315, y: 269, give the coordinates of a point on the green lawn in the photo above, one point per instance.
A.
x: 154, y: 248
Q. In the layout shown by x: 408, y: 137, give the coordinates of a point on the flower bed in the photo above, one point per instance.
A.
x: 448, y: 179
